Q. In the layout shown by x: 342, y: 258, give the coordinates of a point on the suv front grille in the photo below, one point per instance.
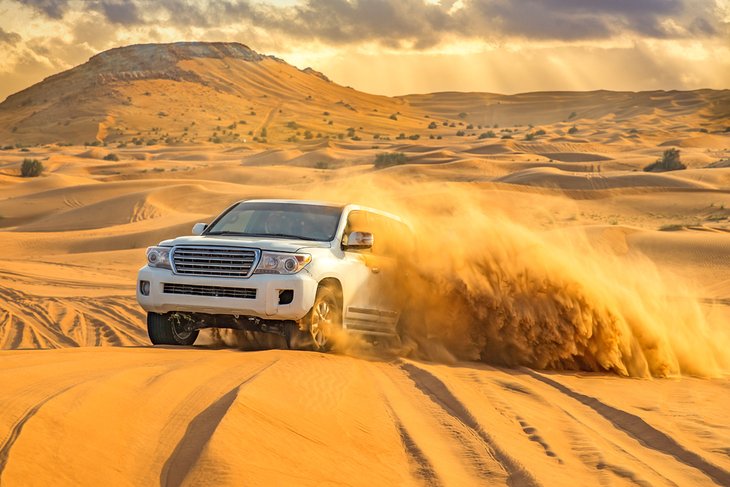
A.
x: 214, y: 261
x: 217, y: 291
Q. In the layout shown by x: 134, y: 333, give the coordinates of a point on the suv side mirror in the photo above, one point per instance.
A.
x: 359, y: 240
x: 199, y: 228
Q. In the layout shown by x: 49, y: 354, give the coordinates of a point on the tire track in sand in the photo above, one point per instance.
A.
x: 440, y: 394
x: 422, y: 467
x: 641, y: 431
x: 17, y: 428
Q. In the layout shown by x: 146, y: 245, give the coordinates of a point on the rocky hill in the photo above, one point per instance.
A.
x: 195, y: 92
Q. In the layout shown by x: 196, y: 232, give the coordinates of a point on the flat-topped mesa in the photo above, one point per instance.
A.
x: 160, y: 61
x: 153, y: 54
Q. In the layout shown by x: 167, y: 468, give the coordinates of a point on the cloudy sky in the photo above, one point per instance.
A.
x: 399, y: 46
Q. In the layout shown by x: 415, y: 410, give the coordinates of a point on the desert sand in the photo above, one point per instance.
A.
x: 578, y: 325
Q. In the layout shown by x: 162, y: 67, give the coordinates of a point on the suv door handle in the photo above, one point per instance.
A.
x: 375, y: 270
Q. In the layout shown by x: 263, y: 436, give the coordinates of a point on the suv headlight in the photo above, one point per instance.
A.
x: 159, y: 257
x: 281, y: 263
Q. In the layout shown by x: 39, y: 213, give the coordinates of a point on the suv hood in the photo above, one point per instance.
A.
x: 274, y: 244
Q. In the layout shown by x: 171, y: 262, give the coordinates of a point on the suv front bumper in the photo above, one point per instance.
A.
x: 186, y: 297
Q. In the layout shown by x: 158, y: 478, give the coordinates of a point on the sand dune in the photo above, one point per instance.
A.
x: 219, y: 416
x: 553, y: 177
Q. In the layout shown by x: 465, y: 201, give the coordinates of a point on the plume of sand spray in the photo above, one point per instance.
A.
x: 490, y: 288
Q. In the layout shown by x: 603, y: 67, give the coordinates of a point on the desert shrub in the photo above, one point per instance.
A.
x: 438, y: 137
x: 460, y: 133
x: 463, y: 115
x: 376, y: 136
x: 326, y: 114
x: 111, y: 157
x: 351, y: 132
x: 308, y: 134
x: 669, y: 161
x: 264, y: 133
x: 401, y: 136
x: 540, y: 132
x: 387, y: 159
x: 703, y: 130
x: 506, y: 136
x: 572, y: 115
x: 573, y: 130
x: 445, y: 123
x: 8, y: 147
x: 432, y: 125
x: 487, y: 135
x: 31, y: 168
x: 292, y: 125
x: 470, y: 126
x: 529, y: 136
x: 393, y: 117
x: 322, y: 165
x: 355, y: 138
x: 414, y: 137
x: 94, y: 143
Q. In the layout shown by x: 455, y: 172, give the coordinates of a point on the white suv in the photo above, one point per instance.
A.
x: 301, y: 269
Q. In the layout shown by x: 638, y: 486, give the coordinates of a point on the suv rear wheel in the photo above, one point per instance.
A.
x: 164, y: 331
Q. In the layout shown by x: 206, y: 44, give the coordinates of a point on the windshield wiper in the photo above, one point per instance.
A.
x: 275, y: 235
x: 225, y: 232
x: 278, y: 235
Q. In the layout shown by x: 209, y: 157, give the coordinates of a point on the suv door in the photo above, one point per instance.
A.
x: 389, y: 272
x: 361, y: 287
x: 374, y: 306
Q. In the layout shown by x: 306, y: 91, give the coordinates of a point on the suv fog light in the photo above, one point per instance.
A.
x: 286, y: 296
x: 144, y: 288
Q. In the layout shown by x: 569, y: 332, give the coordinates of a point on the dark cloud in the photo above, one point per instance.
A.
x: 52, y: 8
x: 419, y: 23
x: 11, y: 38
x: 123, y: 12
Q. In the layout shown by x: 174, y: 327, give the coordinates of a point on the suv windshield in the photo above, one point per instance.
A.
x: 279, y: 220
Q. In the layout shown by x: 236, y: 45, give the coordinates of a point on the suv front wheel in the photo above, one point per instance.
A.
x: 319, y: 328
x: 164, y: 331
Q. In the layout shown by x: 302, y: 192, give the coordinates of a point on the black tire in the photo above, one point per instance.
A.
x: 318, y: 330
x: 163, y: 331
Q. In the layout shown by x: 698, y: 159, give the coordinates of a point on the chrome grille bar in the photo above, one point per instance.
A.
x: 214, y: 261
